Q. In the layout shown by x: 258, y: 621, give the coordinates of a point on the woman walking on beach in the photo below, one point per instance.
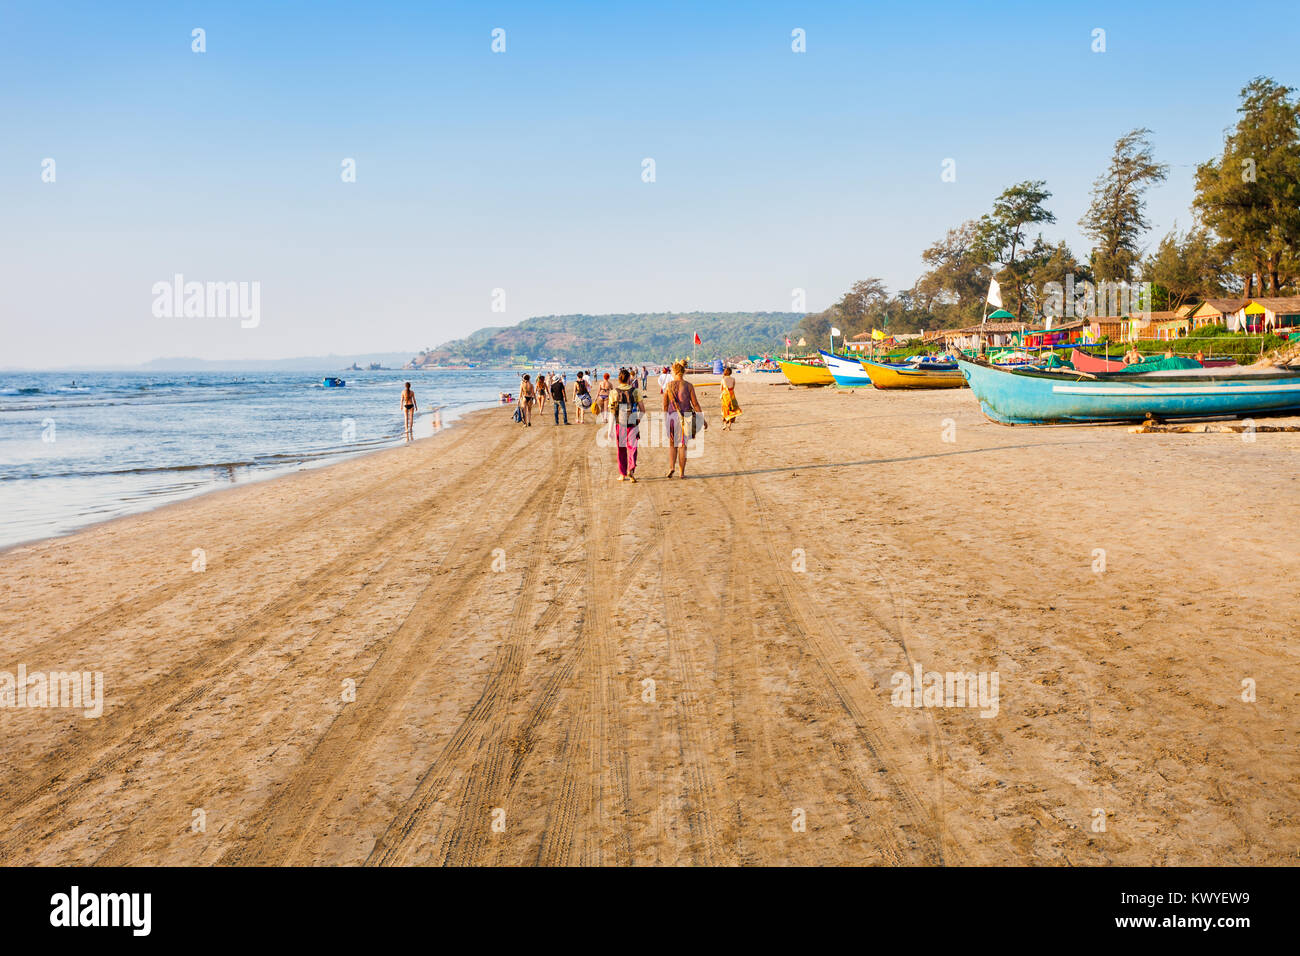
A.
x: 526, y: 398
x: 581, y: 396
x: 626, y: 409
x: 730, y: 407
x: 681, y: 406
x: 409, y: 408
x: 602, y: 398
x: 541, y: 391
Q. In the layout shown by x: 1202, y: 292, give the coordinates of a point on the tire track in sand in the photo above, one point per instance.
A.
x: 124, y: 612
x: 694, y: 724
x: 279, y: 832
x: 586, y: 746
x: 817, y: 632
x: 139, y: 723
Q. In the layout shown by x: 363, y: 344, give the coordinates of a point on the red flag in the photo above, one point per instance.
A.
x: 787, y: 340
x: 697, y: 339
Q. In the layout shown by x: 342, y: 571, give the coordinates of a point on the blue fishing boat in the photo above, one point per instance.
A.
x: 1040, y: 397
x: 847, y: 372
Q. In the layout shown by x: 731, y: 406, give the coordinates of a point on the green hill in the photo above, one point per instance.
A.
x: 607, y: 339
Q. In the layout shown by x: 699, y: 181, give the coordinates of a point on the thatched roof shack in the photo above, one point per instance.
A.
x: 995, y: 334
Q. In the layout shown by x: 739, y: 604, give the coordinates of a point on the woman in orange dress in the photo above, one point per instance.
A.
x: 730, y: 407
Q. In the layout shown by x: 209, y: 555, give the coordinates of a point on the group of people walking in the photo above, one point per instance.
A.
x: 619, y: 403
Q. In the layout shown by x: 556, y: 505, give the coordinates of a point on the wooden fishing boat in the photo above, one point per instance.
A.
x: 933, y: 375
x: 1040, y: 397
x: 1087, y: 362
x: 847, y: 372
x: 801, y: 373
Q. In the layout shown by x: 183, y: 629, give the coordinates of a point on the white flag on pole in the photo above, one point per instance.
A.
x: 834, y: 331
x: 995, y: 293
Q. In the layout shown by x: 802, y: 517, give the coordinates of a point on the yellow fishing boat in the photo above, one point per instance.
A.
x: 797, y: 373
x: 913, y: 376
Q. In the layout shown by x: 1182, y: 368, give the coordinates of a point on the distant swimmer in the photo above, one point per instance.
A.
x: 409, y: 409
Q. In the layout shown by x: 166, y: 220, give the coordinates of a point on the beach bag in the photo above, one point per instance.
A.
x: 519, y: 414
x: 585, y: 400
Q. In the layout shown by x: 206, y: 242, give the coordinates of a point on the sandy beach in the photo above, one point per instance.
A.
x: 482, y: 649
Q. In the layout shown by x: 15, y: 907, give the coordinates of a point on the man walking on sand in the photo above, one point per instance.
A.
x: 557, y: 397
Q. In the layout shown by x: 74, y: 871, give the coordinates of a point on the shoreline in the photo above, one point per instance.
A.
x: 255, y: 475
x: 378, y: 654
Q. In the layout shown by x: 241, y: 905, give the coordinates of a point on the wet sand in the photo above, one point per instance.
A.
x: 481, y: 649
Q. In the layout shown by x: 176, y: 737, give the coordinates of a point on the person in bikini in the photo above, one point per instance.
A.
x: 526, y: 399
x: 409, y: 408
x: 602, y: 397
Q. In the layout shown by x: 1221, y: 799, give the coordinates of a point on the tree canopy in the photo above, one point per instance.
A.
x: 1116, y: 219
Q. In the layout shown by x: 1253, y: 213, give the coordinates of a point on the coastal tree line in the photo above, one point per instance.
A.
x: 1244, y: 237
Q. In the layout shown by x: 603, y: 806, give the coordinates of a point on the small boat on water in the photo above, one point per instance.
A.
x: 332, y: 383
x: 1040, y: 397
x: 803, y: 373
x: 918, y: 375
x: 847, y: 372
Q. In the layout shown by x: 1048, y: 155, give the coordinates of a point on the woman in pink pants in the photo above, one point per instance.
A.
x: 626, y: 409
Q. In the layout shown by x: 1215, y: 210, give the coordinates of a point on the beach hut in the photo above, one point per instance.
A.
x: 1165, y: 325
x: 1073, y: 332
x: 860, y: 344
x: 1215, y: 312
x: 996, y: 334
x: 1264, y: 314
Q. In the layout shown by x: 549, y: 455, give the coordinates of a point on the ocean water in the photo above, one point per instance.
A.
x: 81, y: 447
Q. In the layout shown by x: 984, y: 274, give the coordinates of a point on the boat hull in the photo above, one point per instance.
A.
x: 1026, y: 397
x: 797, y: 373
x: 1087, y: 362
x: 848, y: 373
x: 889, y: 376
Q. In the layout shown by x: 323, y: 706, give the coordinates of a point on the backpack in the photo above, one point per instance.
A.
x: 625, y: 397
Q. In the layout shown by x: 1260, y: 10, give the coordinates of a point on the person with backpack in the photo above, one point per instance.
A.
x: 582, y: 396
x: 625, y: 411
x: 557, y: 397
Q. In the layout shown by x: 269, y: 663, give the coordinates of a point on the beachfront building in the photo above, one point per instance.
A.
x: 995, y: 334
x: 1073, y: 332
x: 1266, y: 314
x: 1112, y: 328
x: 1129, y: 328
x: 860, y: 344
x: 1215, y: 312
x: 1166, y: 325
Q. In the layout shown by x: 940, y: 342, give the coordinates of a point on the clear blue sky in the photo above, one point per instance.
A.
x: 522, y: 170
